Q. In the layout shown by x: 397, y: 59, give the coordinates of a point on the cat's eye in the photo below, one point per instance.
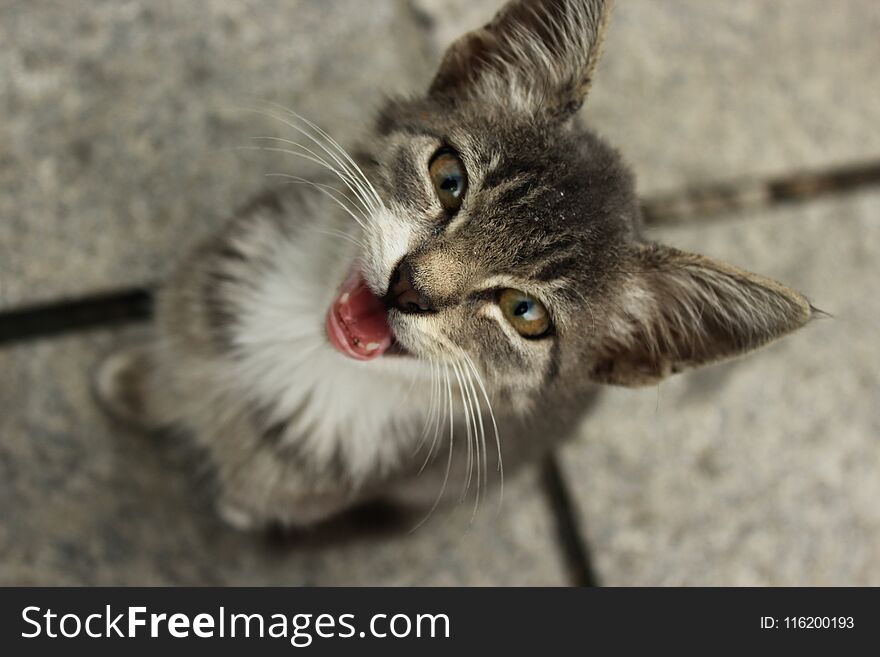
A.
x: 525, y: 313
x: 449, y: 179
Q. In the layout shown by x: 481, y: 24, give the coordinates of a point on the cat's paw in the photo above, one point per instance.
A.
x: 238, y: 518
x: 284, y: 513
x: 119, y: 385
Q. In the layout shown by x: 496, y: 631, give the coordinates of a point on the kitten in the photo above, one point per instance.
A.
x: 450, y: 307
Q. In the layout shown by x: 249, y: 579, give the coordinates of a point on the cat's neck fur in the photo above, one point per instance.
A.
x: 359, y: 416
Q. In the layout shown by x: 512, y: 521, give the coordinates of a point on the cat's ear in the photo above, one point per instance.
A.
x: 537, y: 56
x: 677, y: 310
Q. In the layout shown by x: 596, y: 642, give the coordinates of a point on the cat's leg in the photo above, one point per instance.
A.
x: 268, y: 493
x: 259, y: 484
x: 155, y: 384
x: 295, y: 512
x: 123, y: 385
x: 257, y: 487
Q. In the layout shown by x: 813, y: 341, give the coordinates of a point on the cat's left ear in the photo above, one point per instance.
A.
x: 536, y: 56
x: 675, y: 310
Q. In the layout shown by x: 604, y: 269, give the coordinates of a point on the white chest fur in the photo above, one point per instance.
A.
x: 363, y: 414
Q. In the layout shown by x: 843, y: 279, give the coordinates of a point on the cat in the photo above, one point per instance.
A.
x: 442, y: 308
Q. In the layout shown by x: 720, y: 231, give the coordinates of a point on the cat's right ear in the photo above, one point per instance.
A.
x: 536, y: 56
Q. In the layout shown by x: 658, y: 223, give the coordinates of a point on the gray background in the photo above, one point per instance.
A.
x: 120, y: 141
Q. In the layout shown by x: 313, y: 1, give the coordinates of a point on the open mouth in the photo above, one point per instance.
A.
x: 357, y: 321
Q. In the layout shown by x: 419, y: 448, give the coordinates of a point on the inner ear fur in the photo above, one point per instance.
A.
x: 535, y: 55
x: 676, y: 310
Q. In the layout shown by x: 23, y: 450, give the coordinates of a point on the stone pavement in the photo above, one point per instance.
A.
x: 119, y: 149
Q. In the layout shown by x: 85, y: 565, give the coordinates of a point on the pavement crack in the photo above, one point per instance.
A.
x: 573, y: 543
x: 704, y: 201
x: 56, y: 318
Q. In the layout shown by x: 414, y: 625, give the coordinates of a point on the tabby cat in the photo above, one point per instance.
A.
x: 442, y: 307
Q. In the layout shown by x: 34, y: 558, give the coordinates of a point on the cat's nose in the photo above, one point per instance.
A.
x: 404, y: 295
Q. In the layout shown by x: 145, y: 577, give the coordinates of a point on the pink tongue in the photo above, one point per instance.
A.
x: 356, y: 321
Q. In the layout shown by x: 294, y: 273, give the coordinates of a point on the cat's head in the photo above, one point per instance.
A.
x: 506, y: 233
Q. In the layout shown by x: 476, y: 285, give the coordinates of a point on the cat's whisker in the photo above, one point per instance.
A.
x: 500, y: 466
x: 467, y: 425
x: 347, y: 169
x: 476, y: 439
x: 339, y: 148
x: 449, y: 458
x: 275, y: 117
x: 473, y: 430
x: 431, y: 407
x: 316, y: 161
x: 305, y: 156
x: 589, y: 306
x: 330, y: 188
x: 437, y: 421
x: 328, y: 194
x: 332, y: 232
x: 353, y: 185
x: 342, y: 205
x: 274, y: 342
x: 366, y: 191
x: 477, y: 453
x: 413, y: 380
x: 482, y: 427
x: 438, y: 418
x: 476, y: 436
x: 592, y: 318
x: 328, y: 140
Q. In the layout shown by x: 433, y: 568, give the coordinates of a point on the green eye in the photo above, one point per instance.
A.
x: 449, y: 179
x: 525, y: 313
